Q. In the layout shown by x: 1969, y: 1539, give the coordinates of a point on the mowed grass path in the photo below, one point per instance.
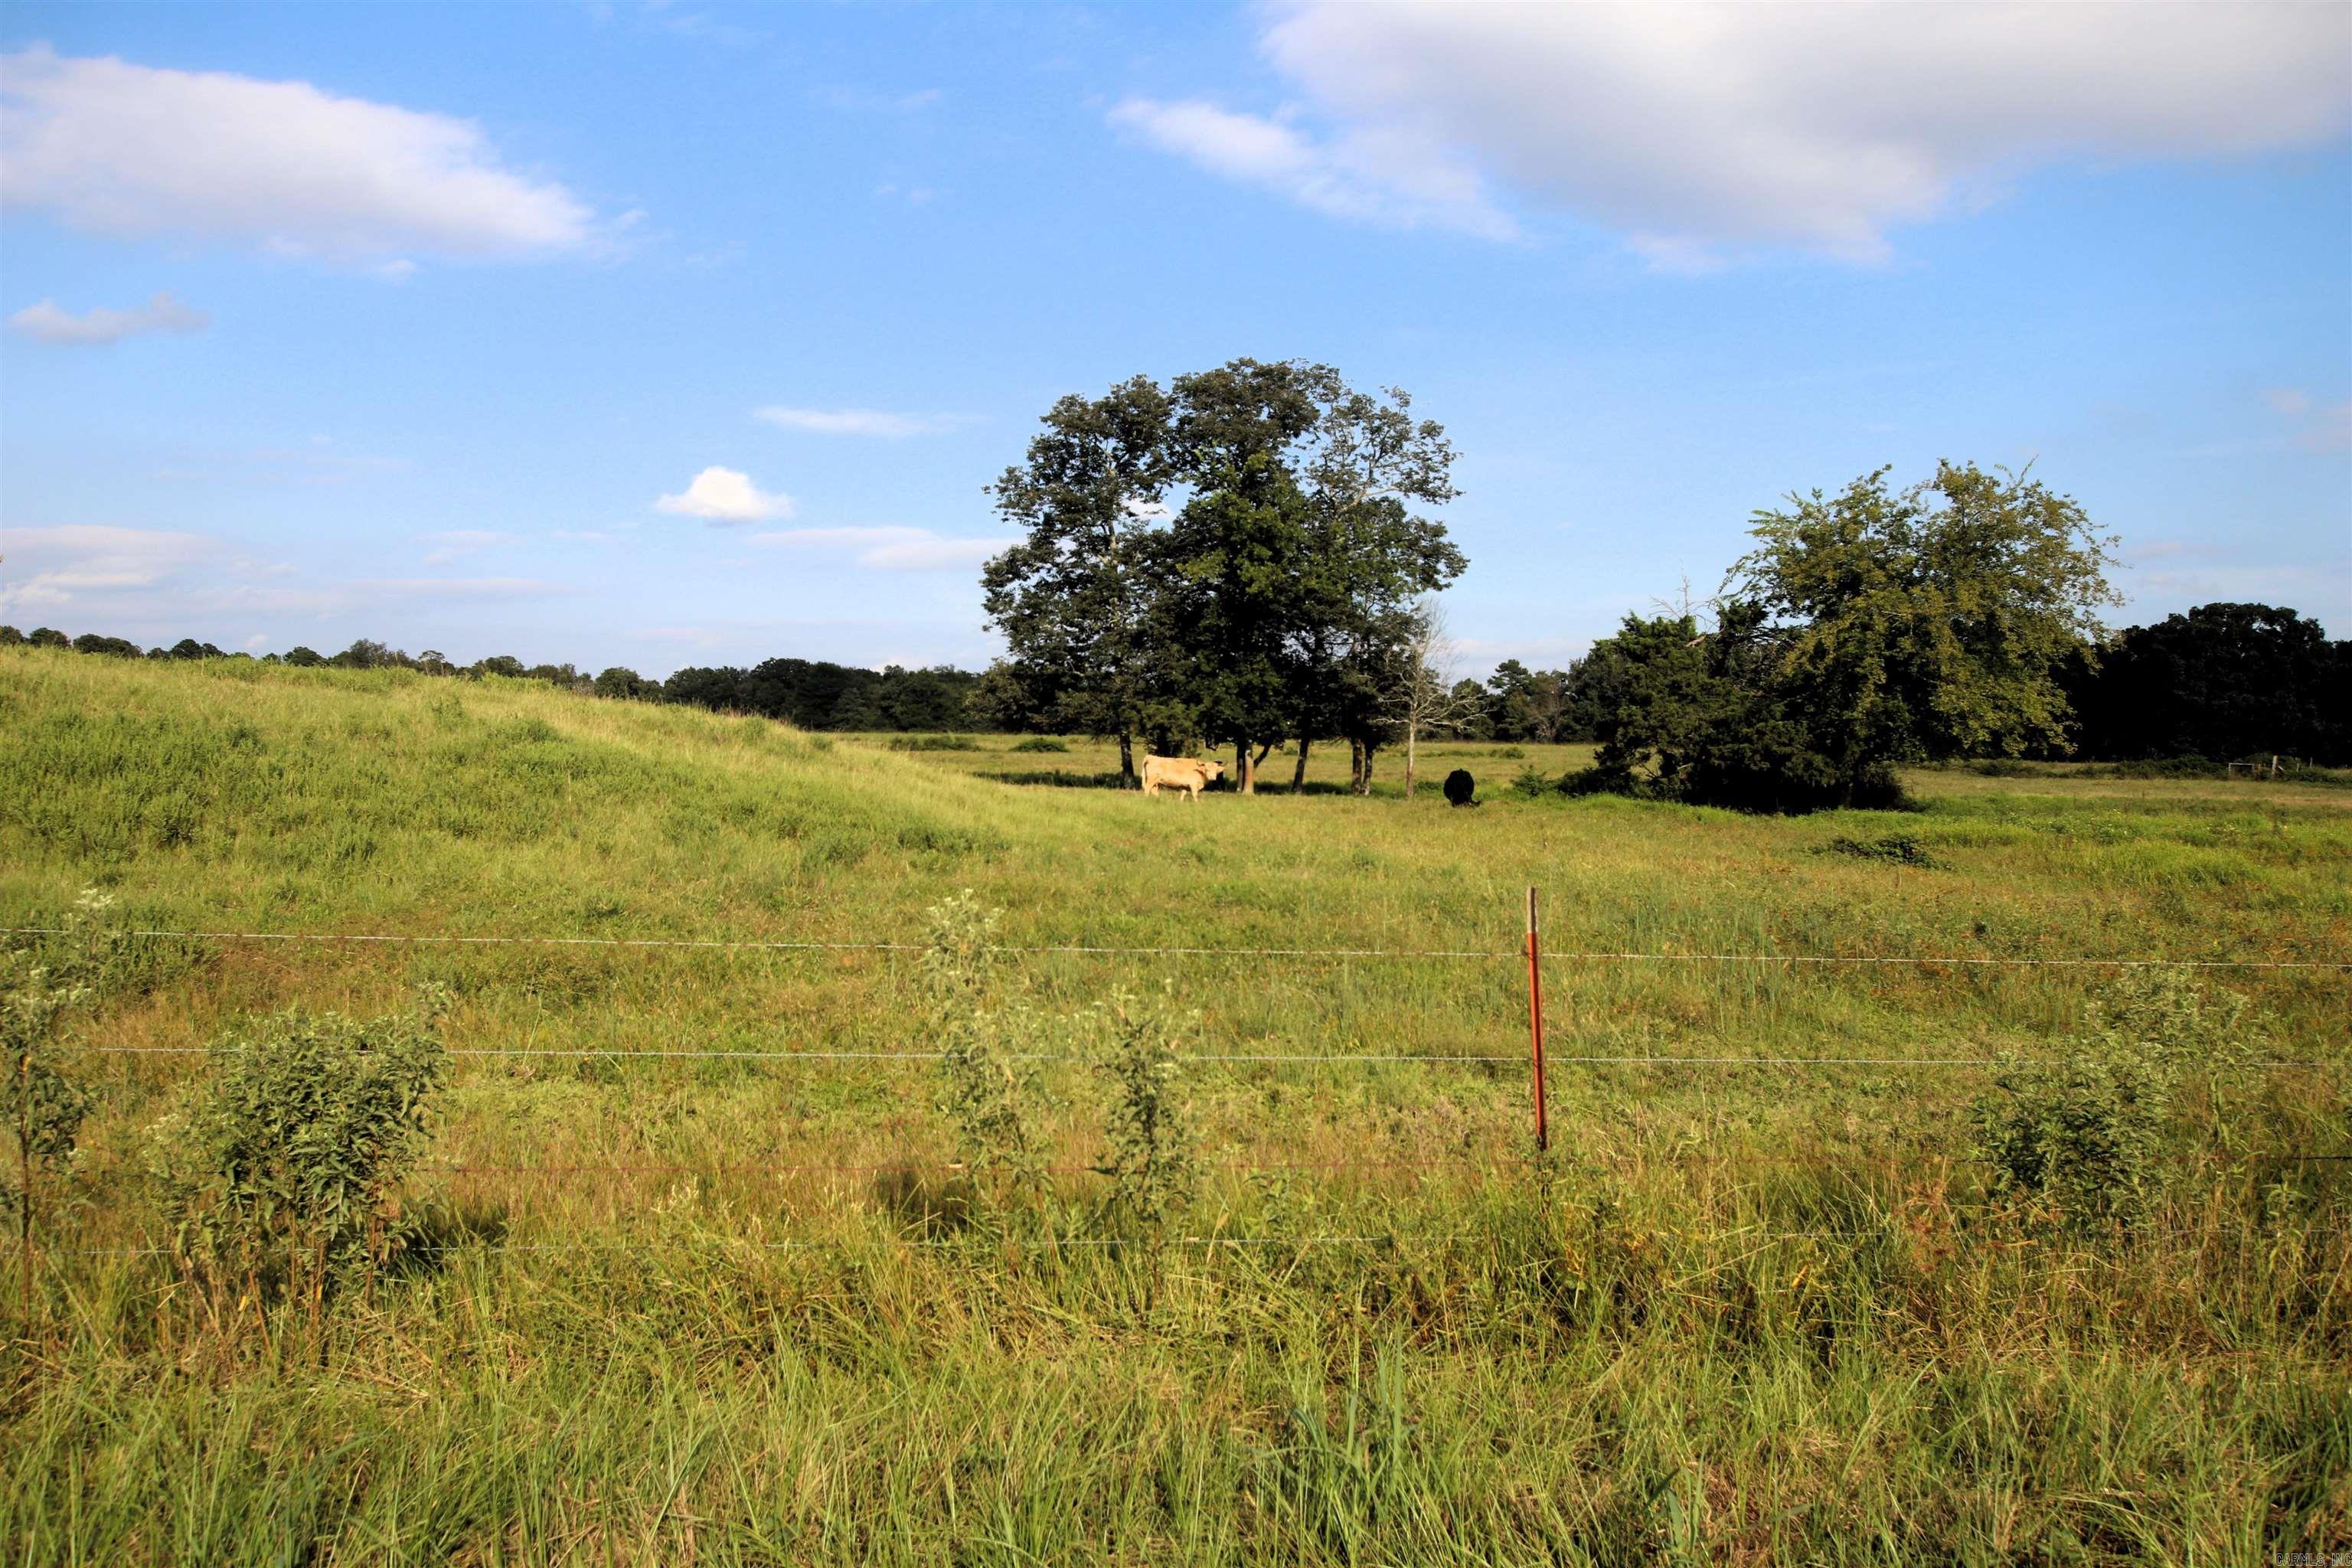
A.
x: 1744, y: 1311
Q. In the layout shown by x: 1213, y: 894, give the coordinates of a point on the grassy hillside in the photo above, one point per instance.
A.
x: 1757, y: 1312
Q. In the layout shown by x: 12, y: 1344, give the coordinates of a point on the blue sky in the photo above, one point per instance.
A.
x: 659, y: 335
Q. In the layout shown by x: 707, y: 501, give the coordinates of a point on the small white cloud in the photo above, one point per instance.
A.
x: 2330, y: 430
x: 855, y: 421
x: 44, y: 322
x: 456, y: 543
x: 890, y: 548
x: 2311, y: 427
x: 138, y: 153
x: 862, y: 100
x: 725, y: 496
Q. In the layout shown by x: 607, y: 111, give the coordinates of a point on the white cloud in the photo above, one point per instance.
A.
x: 864, y: 101
x: 2330, y: 430
x: 44, y: 322
x: 456, y: 543
x: 135, y: 152
x: 2312, y: 426
x: 1702, y: 131
x: 64, y: 565
x: 855, y: 421
x: 890, y: 548
x: 132, y: 578
x: 462, y: 587
x: 1373, y: 176
x: 725, y: 496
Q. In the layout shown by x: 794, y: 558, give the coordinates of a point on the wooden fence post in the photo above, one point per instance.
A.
x: 1535, y: 1022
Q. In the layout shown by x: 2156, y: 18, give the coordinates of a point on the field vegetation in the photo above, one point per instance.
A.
x: 676, y: 1257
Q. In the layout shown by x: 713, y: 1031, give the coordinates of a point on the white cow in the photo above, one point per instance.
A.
x: 1180, y: 773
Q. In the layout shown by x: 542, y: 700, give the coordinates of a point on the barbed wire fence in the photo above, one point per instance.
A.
x: 1536, y: 1060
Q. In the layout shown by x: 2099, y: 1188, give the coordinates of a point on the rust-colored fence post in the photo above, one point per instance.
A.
x: 1535, y: 1022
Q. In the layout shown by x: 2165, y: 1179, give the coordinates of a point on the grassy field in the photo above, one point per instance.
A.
x: 706, y: 1309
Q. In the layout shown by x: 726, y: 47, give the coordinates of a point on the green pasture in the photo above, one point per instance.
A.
x: 706, y: 1309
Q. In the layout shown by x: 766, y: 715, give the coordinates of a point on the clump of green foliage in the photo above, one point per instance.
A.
x: 1867, y: 629
x: 1041, y: 744
x: 41, y: 981
x: 1898, y: 848
x: 1146, y: 1132
x: 43, y: 1106
x: 2087, y: 1138
x: 1533, y: 783
x: 990, y: 1087
x: 287, y: 1168
x: 933, y: 743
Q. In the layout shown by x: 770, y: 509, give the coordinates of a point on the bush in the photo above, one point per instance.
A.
x: 2086, y: 1135
x: 1533, y: 783
x: 1149, y: 1135
x: 286, y: 1170
x: 1041, y: 744
x: 43, y: 977
x: 42, y: 1105
x: 932, y: 743
x: 1901, y: 848
x: 989, y: 1086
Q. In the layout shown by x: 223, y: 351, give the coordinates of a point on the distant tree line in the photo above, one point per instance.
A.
x: 2224, y: 682
x: 811, y: 694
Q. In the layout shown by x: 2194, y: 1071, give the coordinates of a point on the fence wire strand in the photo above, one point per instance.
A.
x: 1106, y: 950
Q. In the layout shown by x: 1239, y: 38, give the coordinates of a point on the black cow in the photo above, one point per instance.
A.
x: 1461, y: 789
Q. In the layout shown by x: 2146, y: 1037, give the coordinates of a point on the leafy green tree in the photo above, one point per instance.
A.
x: 365, y: 653
x: 1214, y: 558
x: 120, y: 648
x: 302, y: 657
x: 1529, y: 705
x: 11, y: 637
x: 1865, y: 630
x: 620, y: 681
x: 1926, y: 623
x: 1297, y: 550
x: 1073, y: 599
x: 47, y: 637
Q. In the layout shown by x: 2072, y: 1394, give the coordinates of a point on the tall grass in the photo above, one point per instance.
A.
x: 1760, y: 1313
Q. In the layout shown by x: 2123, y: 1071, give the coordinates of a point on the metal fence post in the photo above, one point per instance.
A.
x: 1535, y: 1023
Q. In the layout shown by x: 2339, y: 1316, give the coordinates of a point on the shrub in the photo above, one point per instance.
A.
x: 1533, y: 783
x: 285, y: 1170
x: 42, y: 1105
x: 1146, y: 1128
x: 41, y: 979
x: 932, y: 743
x: 1902, y: 849
x: 2086, y: 1134
x: 989, y: 1086
x: 1041, y: 744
